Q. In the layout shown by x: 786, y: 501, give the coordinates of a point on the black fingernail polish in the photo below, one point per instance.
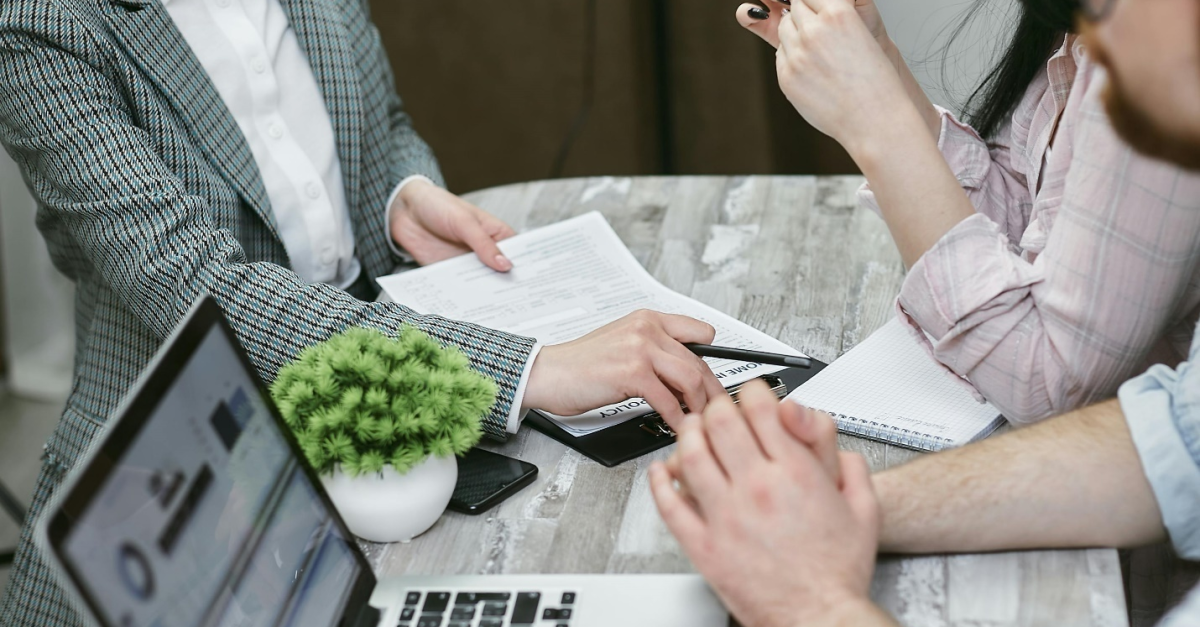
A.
x: 758, y: 14
x: 786, y: 1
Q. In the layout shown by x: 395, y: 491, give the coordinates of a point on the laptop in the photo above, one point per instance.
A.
x: 195, y: 509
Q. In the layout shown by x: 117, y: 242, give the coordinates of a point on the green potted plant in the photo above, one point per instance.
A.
x: 381, y: 421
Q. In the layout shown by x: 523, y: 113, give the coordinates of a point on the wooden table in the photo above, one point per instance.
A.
x: 797, y: 258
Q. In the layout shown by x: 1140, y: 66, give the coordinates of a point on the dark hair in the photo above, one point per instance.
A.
x: 1040, y: 30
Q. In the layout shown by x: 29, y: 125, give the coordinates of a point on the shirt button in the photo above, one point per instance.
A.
x: 222, y: 3
x: 257, y: 64
x: 327, y: 257
x: 313, y: 190
x: 275, y: 130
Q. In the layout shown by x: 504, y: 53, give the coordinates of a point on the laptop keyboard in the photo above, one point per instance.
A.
x: 443, y: 608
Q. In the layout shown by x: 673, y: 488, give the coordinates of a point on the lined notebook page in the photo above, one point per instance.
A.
x: 888, y: 388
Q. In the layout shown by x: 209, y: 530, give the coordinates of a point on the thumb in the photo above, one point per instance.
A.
x: 483, y: 245
x: 750, y: 17
x: 817, y: 431
x: 860, y: 491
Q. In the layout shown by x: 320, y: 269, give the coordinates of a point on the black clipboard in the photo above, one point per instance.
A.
x: 644, y: 434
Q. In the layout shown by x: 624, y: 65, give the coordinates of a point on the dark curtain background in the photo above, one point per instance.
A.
x: 679, y: 88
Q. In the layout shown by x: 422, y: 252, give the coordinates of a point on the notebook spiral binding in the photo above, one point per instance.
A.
x: 890, y: 435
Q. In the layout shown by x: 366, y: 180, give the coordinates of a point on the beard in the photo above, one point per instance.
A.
x: 1139, y: 131
x: 1132, y: 123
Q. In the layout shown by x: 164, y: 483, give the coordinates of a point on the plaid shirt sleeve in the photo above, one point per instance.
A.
x: 1041, y: 334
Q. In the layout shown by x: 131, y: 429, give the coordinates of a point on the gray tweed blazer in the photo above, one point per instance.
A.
x: 149, y: 196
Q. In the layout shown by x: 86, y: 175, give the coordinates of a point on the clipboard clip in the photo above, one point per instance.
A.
x: 657, y: 427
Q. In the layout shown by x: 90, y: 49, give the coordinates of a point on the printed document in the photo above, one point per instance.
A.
x: 569, y: 279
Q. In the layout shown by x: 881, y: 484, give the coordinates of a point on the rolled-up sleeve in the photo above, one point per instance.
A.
x: 1162, y: 408
x: 1042, y: 333
x: 985, y: 172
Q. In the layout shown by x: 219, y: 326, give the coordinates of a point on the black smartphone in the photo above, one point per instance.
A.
x: 486, y: 478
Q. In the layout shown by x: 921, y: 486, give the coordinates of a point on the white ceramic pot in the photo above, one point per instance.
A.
x: 389, y: 506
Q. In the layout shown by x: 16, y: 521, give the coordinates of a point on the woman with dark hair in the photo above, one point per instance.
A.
x: 1048, y: 262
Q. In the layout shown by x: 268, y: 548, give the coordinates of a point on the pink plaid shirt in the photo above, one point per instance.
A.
x: 1076, y: 273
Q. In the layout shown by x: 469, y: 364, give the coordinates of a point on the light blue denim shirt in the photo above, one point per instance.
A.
x: 1162, y: 408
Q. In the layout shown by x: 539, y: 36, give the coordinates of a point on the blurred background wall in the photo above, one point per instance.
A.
x: 38, y: 314
x: 667, y: 86
x: 498, y: 89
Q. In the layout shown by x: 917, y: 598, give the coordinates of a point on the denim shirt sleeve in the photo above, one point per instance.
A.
x: 1162, y: 408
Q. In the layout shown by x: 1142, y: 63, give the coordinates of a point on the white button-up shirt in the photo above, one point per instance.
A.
x: 253, y: 58
x: 252, y: 55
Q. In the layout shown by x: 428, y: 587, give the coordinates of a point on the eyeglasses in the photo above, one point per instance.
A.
x: 1096, y: 10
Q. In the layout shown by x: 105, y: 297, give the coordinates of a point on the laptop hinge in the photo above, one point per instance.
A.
x: 367, y: 617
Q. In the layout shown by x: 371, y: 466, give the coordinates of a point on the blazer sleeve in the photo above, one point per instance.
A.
x: 103, y: 189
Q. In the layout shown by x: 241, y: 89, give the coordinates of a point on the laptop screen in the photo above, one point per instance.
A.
x: 206, y: 517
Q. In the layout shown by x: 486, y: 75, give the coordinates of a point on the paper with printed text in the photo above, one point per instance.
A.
x: 568, y: 280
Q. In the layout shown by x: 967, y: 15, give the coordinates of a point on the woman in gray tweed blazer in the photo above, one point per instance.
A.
x: 149, y: 196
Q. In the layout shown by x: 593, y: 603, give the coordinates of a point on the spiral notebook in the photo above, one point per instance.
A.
x: 889, y: 389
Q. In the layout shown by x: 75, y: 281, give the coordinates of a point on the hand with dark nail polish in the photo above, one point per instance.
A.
x: 759, y: 14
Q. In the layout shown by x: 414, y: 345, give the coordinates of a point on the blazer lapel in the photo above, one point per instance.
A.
x: 158, y: 48
x: 322, y: 34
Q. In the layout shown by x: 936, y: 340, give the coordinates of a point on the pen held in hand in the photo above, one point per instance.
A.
x: 759, y: 357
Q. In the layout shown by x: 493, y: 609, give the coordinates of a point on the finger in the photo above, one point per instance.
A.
x: 788, y: 34
x: 803, y: 9
x: 762, y: 409
x: 674, y: 464
x: 814, y: 429
x: 700, y: 469
x: 731, y: 439
x: 711, y: 386
x: 680, y: 517
x: 472, y: 233
x: 684, y: 379
x: 760, y: 22
x: 859, y: 490
x: 496, y: 228
x: 661, y: 400
x: 683, y: 329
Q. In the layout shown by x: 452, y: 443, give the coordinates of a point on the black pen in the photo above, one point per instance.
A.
x: 757, y: 357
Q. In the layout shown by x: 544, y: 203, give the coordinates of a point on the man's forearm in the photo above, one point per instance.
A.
x: 1072, y: 481
x: 860, y: 613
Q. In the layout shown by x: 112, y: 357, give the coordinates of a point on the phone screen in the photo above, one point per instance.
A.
x: 486, y: 478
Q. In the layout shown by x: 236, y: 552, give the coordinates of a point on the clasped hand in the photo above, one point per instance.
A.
x: 781, y: 524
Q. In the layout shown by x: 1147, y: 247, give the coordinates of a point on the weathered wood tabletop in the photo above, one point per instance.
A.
x: 797, y: 258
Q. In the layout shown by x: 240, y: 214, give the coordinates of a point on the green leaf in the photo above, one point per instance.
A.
x: 440, y: 447
x: 371, y: 462
x: 407, y: 456
x: 340, y: 447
